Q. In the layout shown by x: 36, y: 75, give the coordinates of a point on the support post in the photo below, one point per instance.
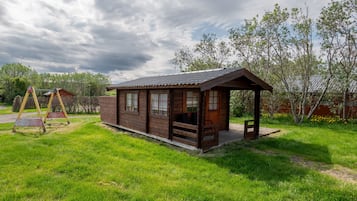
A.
x: 256, y: 112
x: 62, y: 105
x: 117, y: 107
x: 228, y: 99
x: 148, y: 105
x: 200, y: 118
x: 171, y: 112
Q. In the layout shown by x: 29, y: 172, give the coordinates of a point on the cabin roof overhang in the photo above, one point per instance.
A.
x: 232, y: 78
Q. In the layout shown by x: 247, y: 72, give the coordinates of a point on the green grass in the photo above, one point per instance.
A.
x: 84, y: 161
x: 329, y: 143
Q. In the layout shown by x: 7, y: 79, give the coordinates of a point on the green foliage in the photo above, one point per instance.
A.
x: 15, y: 78
x: 337, y: 28
x: 209, y: 53
x: 89, y: 162
x: 14, y: 87
x: 278, y: 47
x: 81, y: 84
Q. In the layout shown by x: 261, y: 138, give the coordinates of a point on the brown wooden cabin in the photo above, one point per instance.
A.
x: 182, y: 109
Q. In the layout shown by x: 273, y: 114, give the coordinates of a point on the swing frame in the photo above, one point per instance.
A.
x: 29, y: 122
x: 49, y: 114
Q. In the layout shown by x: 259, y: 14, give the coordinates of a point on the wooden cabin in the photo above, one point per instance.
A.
x: 183, y: 109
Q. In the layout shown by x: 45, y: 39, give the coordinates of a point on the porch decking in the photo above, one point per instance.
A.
x: 236, y: 133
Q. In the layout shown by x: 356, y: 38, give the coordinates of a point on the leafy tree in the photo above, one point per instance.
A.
x: 81, y: 84
x: 337, y: 28
x: 15, y: 78
x: 209, y: 53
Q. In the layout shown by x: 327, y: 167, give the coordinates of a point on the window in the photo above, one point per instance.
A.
x: 213, y: 100
x: 159, y: 104
x: 131, y: 103
x: 191, y: 101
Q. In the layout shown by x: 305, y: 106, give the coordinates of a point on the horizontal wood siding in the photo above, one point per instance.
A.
x: 108, y: 109
x: 159, y: 126
x: 224, y: 108
x: 133, y: 120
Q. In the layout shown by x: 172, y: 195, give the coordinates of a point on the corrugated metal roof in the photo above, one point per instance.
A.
x: 187, y: 78
x: 318, y: 82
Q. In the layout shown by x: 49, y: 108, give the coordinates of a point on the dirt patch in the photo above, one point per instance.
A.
x: 336, y: 171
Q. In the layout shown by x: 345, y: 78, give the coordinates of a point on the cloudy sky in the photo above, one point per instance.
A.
x: 124, y: 39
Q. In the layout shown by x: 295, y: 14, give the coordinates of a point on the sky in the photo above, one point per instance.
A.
x: 122, y: 39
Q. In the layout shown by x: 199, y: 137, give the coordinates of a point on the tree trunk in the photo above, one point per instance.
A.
x: 344, y: 109
x: 312, y: 110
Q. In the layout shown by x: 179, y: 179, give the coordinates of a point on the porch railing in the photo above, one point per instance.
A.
x: 185, y: 133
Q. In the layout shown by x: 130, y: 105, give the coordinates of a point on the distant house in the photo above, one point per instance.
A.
x: 62, y: 92
x: 186, y: 109
x: 332, y: 104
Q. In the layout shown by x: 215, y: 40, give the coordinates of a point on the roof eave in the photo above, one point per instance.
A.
x: 231, y: 76
x: 153, y: 87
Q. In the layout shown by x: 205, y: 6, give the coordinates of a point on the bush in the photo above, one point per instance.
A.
x: 238, y: 110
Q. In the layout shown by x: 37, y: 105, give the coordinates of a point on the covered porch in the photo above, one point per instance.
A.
x: 200, y: 117
x: 236, y: 133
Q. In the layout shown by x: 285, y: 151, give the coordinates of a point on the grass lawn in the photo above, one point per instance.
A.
x: 86, y: 161
x: 322, y: 142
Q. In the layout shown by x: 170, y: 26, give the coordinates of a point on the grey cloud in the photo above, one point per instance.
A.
x: 107, y: 62
x: 58, y: 69
x: 117, y: 8
x: 56, y: 12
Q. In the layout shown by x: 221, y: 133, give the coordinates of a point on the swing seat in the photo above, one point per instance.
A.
x: 29, y: 122
x: 53, y: 115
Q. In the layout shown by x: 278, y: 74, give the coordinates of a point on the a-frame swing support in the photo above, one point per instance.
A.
x: 29, y: 122
x: 49, y: 114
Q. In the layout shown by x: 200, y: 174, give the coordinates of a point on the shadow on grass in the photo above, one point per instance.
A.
x: 309, y: 151
x: 270, y: 168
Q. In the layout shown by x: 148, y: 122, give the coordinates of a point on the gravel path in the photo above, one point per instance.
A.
x: 8, y: 118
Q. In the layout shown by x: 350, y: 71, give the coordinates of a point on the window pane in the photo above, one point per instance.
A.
x: 159, y: 104
x: 213, y: 100
x: 154, y: 101
x: 191, y: 101
x: 131, y: 103
x: 163, y: 102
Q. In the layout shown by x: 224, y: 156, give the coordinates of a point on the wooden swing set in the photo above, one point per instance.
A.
x: 39, y: 121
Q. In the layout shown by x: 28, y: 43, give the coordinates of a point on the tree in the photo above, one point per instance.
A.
x: 15, y: 80
x: 81, y: 84
x: 209, y: 53
x: 337, y: 28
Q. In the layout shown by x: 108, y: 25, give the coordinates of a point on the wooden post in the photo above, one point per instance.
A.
x: 228, y: 97
x: 171, y: 112
x: 148, y: 105
x: 200, y: 118
x: 62, y: 105
x: 117, y: 107
x: 256, y: 112
x: 49, y: 106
